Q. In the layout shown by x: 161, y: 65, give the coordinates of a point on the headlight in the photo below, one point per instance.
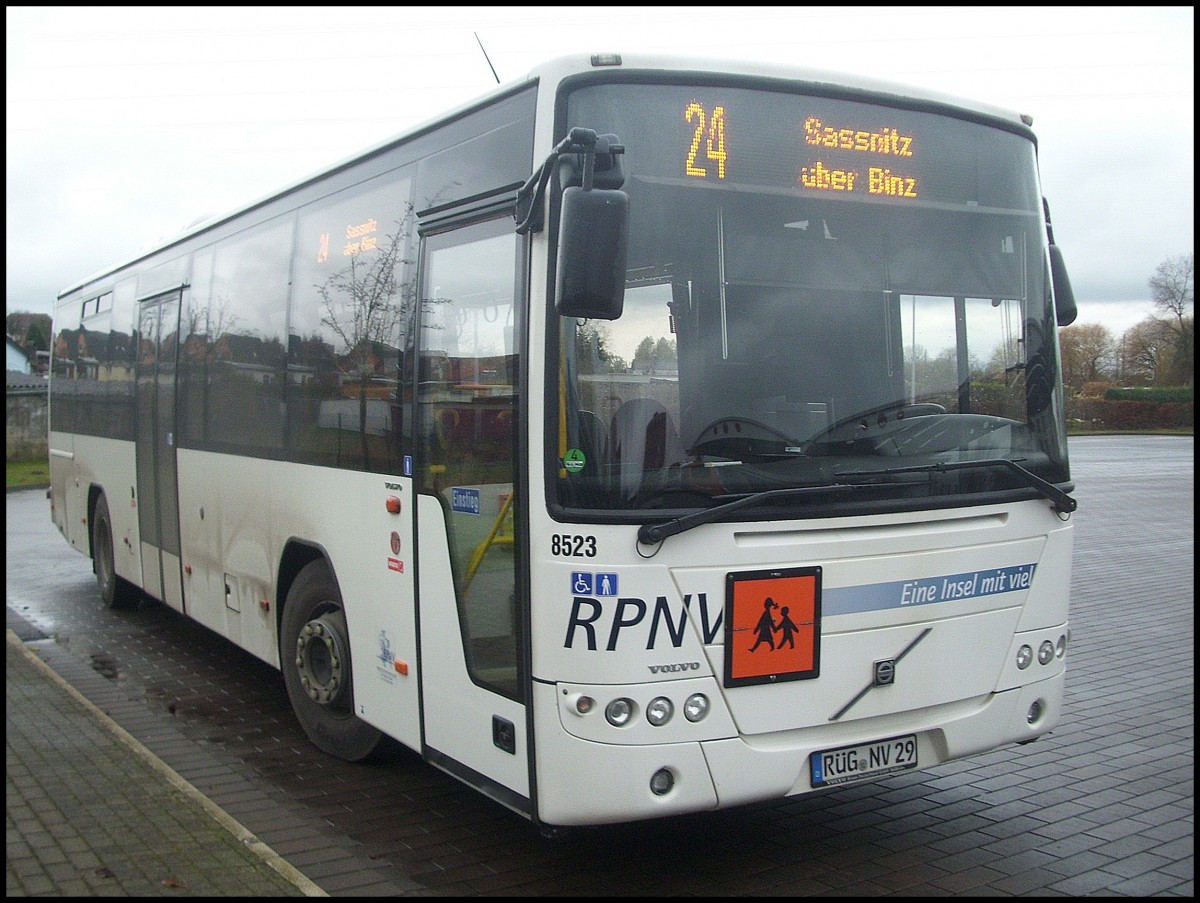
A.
x: 696, y: 707
x: 619, y: 711
x: 659, y: 711
x: 1024, y: 657
x: 1045, y: 652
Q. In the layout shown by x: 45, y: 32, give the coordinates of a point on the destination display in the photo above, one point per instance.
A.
x: 812, y: 145
x: 877, y: 146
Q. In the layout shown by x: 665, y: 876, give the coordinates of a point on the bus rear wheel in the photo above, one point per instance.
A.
x: 314, y: 653
x: 115, y: 591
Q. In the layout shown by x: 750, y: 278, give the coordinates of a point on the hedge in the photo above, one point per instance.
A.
x: 1163, y: 395
x: 1093, y: 413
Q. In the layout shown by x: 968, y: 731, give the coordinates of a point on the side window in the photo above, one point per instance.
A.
x: 352, y: 300
x: 234, y: 329
x: 91, y: 354
x: 64, y: 353
x: 964, y: 353
x: 467, y: 424
x: 85, y: 357
x: 118, y: 376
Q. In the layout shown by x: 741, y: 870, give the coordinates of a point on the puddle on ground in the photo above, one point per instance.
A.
x: 105, y: 666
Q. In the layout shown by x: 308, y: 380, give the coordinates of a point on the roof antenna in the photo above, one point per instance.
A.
x: 486, y: 57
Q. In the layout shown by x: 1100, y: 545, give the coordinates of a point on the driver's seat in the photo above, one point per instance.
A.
x: 642, y: 437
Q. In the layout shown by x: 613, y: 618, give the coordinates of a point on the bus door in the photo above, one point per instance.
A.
x: 473, y: 672
x: 157, y: 487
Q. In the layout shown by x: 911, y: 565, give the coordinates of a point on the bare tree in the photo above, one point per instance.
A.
x: 1146, y: 348
x: 1088, y: 353
x: 1003, y: 362
x: 367, y: 306
x: 203, y: 325
x: 1173, y: 292
x: 1173, y: 285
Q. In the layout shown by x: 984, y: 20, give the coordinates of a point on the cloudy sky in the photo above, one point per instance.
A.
x: 124, y: 125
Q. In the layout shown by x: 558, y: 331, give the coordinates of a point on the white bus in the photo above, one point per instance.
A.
x: 643, y: 438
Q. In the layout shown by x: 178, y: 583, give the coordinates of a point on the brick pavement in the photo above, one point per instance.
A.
x: 1104, y: 806
x: 90, y: 812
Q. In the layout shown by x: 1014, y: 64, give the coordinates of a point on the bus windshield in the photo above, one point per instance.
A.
x: 817, y: 289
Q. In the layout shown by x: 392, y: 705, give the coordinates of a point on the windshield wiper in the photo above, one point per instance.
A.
x: 1063, y: 503
x: 649, y: 534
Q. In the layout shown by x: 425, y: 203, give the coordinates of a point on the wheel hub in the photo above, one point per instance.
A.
x: 321, y: 658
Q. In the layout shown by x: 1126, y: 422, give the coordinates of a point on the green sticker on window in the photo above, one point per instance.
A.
x: 574, y: 460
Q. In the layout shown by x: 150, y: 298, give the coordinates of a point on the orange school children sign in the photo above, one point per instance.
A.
x: 772, y: 626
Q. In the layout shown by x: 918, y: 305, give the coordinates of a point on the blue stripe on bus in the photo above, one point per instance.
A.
x: 926, y: 591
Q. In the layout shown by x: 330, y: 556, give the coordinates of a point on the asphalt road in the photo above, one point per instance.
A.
x: 1102, y: 806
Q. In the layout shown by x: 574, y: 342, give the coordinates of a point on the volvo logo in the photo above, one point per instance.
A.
x: 885, y: 672
x: 680, y: 666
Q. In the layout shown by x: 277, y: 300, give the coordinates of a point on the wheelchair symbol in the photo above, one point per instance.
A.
x: 585, y: 584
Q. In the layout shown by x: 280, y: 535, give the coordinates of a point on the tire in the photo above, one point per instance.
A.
x: 115, y: 591
x: 314, y: 654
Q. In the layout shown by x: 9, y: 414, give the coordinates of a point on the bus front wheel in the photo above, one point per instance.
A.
x: 314, y: 653
x: 115, y: 591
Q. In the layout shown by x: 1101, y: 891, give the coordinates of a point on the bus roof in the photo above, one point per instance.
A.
x: 565, y: 66
x: 555, y: 70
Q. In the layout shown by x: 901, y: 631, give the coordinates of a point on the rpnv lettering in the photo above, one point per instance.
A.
x: 615, y: 622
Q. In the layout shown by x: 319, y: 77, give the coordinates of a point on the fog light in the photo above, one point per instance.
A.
x: 659, y: 711
x: 696, y: 707
x: 1061, y: 649
x: 661, y: 782
x: 1024, y: 657
x: 1034, y: 714
x: 1045, y: 652
x: 619, y: 711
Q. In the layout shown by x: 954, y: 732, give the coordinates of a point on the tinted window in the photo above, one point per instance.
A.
x: 233, y: 326
x: 351, y: 305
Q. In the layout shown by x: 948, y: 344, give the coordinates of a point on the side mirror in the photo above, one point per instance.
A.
x: 593, y: 247
x: 1065, y: 309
